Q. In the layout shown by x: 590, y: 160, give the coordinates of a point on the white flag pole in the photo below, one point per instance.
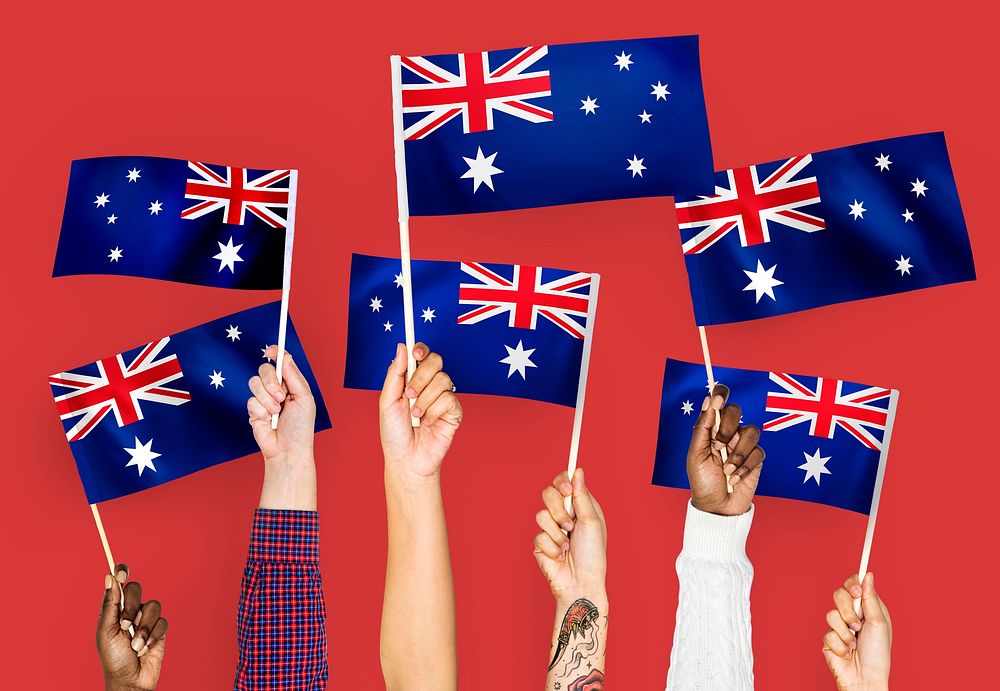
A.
x: 111, y: 560
x: 581, y: 389
x: 877, y: 494
x: 286, y: 278
x: 402, y: 201
x: 723, y: 451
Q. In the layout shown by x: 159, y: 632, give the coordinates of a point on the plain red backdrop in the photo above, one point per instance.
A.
x: 283, y: 84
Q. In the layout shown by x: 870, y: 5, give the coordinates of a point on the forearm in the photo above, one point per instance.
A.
x: 418, y: 612
x: 713, y: 609
x: 579, y: 642
x: 289, y: 484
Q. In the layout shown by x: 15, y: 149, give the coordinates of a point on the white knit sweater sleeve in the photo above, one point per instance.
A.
x: 711, y: 650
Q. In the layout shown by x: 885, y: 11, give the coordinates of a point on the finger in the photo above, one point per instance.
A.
x: 853, y: 586
x: 720, y: 395
x: 832, y: 642
x: 426, y: 369
x: 583, y: 504
x: 392, y: 389
x: 845, y: 605
x: 108, y: 625
x: 261, y: 393
x: 549, y: 526
x: 871, y: 605
x: 838, y: 625
x: 420, y: 351
x: 553, y: 501
x: 545, y: 545
x: 269, y: 377
x: 561, y: 482
x: 752, y: 464
x: 294, y: 380
x: 155, y: 636
x: 730, y: 423
x: 701, y: 438
x: 145, y: 620
x: 257, y: 411
x: 133, y: 598
x: 437, y: 386
x: 446, y: 405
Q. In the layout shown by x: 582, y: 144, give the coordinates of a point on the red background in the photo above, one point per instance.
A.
x: 272, y: 85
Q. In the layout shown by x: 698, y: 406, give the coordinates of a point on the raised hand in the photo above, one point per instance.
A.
x: 293, y: 399
x: 707, y: 473
x: 857, y: 648
x: 130, y: 662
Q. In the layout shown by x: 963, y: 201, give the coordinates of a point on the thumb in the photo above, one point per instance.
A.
x: 110, y: 608
x: 395, y: 378
x: 870, y: 603
x: 583, y: 503
x: 294, y: 379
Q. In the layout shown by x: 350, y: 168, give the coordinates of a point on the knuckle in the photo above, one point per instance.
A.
x: 434, y: 360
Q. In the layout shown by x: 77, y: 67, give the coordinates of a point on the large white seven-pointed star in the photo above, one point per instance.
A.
x: 428, y: 315
x: 645, y: 117
x: 687, y: 407
x: 398, y: 280
x: 216, y: 379
x: 882, y: 162
x: 762, y: 281
x: 635, y: 165
x: 142, y: 456
x: 589, y: 106
x: 907, y: 216
x: 518, y: 359
x: 101, y: 200
x: 116, y: 254
x: 919, y: 187
x: 155, y: 208
x: 233, y: 333
x: 228, y: 255
x: 481, y: 169
x: 903, y: 265
x: 376, y: 304
x: 858, y: 209
x: 659, y: 90
x: 815, y: 466
x: 133, y: 175
x: 623, y: 61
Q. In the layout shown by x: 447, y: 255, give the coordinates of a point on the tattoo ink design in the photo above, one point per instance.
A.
x: 579, y: 618
x: 592, y: 682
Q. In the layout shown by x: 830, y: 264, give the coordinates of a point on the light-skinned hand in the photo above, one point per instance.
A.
x: 293, y: 440
x: 857, y: 648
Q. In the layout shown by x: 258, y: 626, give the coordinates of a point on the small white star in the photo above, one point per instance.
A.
x: 623, y: 61
x: 858, y: 210
x: 882, y: 162
x: 919, y: 187
x: 228, y: 255
x: 907, y: 216
x: 387, y: 326
x: 216, y: 379
x: 155, y: 208
x: 589, y: 106
x: 142, y: 456
x: 133, y: 175
x: 481, y: 169
x: 815, y: 467
x: 116, y: 254
x: 111, y: 219
x: 635, y: 165
x: 687, y: 407
x: 233, y: 333
x: 376, y: 304
x: 518, y: 359
x: 398, y: 280
x: 660, y: 91
x: 645, y: 117
x: 762, y: 281
x: 102, y: 199
x: 264, y: 354
x: 428, y: 315
x: 903, y: 265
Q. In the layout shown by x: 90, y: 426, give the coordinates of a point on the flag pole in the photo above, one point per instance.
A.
x: 877, y: 494
x: 111, y: 560
x: 403, y: 204
x: 286, y: 279
x: 581, y: 388
x: 723, y: 451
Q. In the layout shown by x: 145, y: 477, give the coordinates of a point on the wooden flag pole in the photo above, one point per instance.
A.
x: 286, y: 279
x: 723, y: 451
x: 403, y: 204
x: 877, y: 494
x: 581, y: 389
x: 111, y: 559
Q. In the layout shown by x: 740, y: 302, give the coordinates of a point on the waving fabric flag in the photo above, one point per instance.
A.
x: 501, y: 329
x: 175, y: 220
x: 824, y: 438
x: 171, y: 407
x: 557, y: 124
x: 845, y: 224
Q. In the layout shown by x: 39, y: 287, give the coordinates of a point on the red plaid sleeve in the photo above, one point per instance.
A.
x: 281, y: 625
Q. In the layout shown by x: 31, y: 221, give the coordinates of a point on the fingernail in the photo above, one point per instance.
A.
x: 852, y: 644
x: 565, y: 546
x: 734, y: 478
x: 137, y: 643
x: 566, y: 489
x: 125, y: 623
x: 717, y: 402
x: 856, y: 626
x: 729, y: 468
x: 568, y: 525
x: 108, y: 581
x: 415, y: 411
x: 562, y: 557
x: 122, y: 577
x: 411, y: 392
x: 704, y: 404
x: 279, y: 394
x: 144, y: 650
x: 856, y: 591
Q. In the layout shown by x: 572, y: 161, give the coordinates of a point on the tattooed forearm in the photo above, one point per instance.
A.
x: 579, y: 648
x: 578, y: 619
x: 590, y: 682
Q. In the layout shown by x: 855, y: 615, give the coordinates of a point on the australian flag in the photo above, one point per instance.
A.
x: 170, y: 407
x: 824, y: 438
x: 501, y: 329
x: 557, y: 124
x: 175, y: 220
x: 845, y: 224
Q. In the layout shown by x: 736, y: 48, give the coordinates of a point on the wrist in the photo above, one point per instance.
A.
x: 597, y: 595
x: 289, y: 482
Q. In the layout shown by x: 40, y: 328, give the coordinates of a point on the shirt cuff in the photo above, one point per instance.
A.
x: 719, y: 538
x: 285, y: 536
